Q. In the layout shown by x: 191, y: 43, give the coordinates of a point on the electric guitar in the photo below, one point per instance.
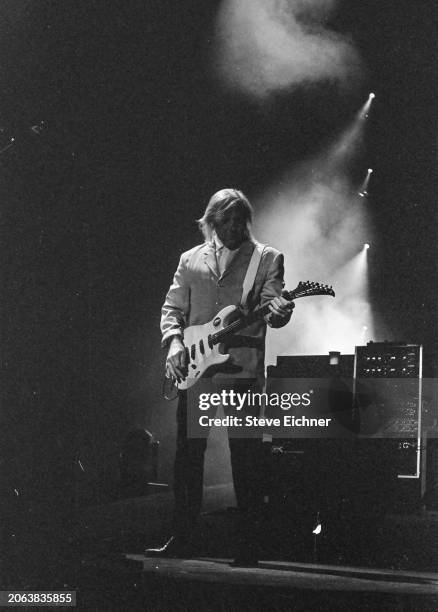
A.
x: 203, y: 342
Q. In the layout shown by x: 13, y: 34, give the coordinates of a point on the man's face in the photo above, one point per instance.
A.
x: 232, y: 228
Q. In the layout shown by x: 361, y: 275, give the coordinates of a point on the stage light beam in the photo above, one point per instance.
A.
x: 363, y: 113
x: 350, y: 140
x: 363, y: 189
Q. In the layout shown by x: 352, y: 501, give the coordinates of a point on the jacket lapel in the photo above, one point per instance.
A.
x: 209, y: 256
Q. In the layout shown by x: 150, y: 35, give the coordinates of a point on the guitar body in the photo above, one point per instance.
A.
x: 201, y: 354
x: 203, y: 342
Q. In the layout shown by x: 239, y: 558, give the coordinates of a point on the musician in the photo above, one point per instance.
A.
x: 209, y: 277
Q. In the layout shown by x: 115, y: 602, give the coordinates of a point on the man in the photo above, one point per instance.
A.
x: 209, y: 277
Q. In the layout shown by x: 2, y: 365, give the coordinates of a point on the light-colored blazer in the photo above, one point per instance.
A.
x: 198, y: 292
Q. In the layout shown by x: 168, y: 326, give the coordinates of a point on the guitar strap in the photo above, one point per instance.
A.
x: 251, y: 272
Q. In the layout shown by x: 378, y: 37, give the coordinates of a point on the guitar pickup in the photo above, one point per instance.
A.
x: 201, y: 347
x: 192, y: 351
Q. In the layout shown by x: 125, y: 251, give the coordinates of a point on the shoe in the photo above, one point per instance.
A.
x: 174, y: 548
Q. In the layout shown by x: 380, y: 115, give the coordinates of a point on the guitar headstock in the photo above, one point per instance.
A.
x: 308, y: 288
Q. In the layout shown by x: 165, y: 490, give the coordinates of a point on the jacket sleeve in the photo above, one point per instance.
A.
x: 272, y: 287
x: 175, y: 310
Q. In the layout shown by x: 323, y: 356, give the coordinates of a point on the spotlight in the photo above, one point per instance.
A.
x: 362, y: 192
x: 363, y: 113
x: 366, y: 246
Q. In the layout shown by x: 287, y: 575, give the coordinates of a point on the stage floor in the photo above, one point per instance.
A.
x: 213, y: 584
x: 286, y: 575
x: 99, y: 551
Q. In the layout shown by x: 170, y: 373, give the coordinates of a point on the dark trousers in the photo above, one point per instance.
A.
x: 247, y: 468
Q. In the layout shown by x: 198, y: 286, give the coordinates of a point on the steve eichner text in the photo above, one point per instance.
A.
x: 288, y: 420
x: 238, y: 400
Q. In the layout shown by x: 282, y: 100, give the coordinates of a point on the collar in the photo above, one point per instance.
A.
x: 217, y: 244
x: 242, y: 254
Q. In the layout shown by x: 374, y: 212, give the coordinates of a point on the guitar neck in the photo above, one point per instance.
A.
x: 303, y: 289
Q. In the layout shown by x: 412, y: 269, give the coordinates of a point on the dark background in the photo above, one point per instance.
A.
x: 98, y: 205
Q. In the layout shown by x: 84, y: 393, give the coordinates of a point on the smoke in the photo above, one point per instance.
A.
x: 266, y: 45
x: 315, y: 217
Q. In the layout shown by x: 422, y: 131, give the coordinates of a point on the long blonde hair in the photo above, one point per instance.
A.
x: 221, y: 202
